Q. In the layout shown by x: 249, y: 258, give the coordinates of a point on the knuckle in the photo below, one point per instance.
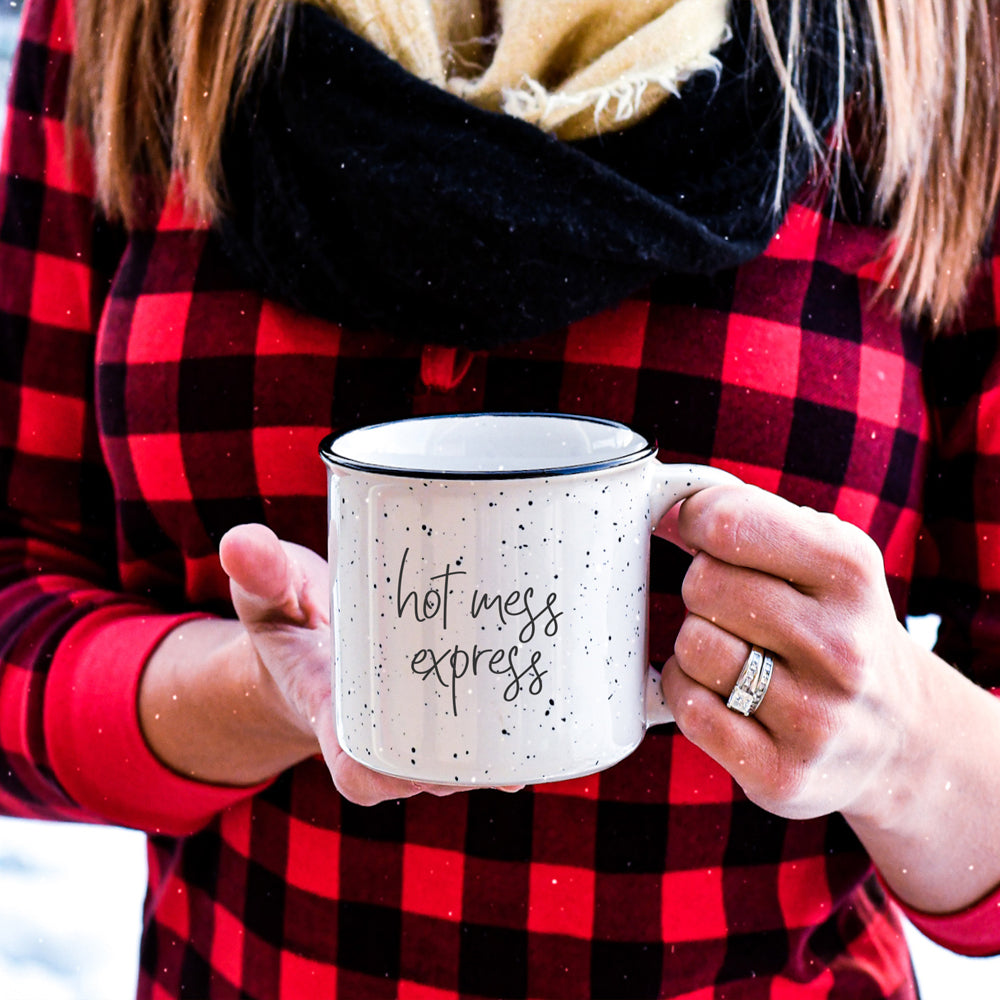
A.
x: 692, y: 640
x: 815, y: 725
x: 716, y: 519
x: 690, y: 716
x: 816, y: 732
x: 856, y: 557
x: 730, y: 530
x: 851, y: 660
x: 696, y: 588
x: 700, y: 655
x: 840, y: 653
x: 788, y: 778
x: 697, y: 717
x: 773, y: 779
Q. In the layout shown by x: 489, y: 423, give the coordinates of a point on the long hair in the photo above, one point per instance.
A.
x: 152, y: 82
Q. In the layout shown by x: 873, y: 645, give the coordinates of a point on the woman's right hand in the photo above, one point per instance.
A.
x: 239, y: 702
x: 281, y: 593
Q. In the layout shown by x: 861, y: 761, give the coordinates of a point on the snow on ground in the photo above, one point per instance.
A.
x: 8, y: 39
x: 70, y: 910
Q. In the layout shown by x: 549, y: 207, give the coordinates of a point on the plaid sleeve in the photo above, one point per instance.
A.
x: 958, y: 558
x: 957, y: 573
x: 974, y: 932
x: 72, y: 645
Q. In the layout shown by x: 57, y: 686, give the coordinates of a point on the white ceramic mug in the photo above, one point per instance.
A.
x: 489, y: 600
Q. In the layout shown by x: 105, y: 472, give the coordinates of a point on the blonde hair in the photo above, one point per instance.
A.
x: 929, y: 123
x: 152, y: 83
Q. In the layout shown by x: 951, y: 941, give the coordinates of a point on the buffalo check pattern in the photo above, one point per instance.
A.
x: 148, y: 402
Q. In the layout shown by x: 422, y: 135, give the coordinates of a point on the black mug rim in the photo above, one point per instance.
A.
x: 644, y: 449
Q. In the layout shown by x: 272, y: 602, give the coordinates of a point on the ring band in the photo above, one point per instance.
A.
x: 763, y: 680
x: 751, y: 685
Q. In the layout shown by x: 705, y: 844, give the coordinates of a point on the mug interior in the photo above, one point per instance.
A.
x: 487, y: 445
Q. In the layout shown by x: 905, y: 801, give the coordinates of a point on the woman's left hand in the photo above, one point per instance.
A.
x: 858, y: 718
x: 810, y: 589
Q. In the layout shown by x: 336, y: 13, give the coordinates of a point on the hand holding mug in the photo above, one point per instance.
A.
x: 810, y: 591
x: 281, y: 594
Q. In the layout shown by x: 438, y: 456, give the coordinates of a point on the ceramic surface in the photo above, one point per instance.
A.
x: 490, y: 607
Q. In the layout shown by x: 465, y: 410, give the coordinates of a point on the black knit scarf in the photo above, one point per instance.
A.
x: 362, y: 195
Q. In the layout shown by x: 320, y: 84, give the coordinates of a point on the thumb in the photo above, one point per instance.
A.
x: 265, y: 583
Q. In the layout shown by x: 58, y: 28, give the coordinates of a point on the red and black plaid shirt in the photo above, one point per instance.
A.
x: 148, y: 402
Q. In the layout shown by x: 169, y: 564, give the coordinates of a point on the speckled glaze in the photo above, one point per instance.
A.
x: 490, y: 593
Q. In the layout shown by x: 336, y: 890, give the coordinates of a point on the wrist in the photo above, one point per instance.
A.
x: 924, y: 815
x: 910, y: 737
x: 210, y: 711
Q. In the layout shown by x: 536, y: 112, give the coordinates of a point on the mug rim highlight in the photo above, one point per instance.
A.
x: 643, y: 449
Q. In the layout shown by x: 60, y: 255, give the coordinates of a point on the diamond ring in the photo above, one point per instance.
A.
x: 751, y: 685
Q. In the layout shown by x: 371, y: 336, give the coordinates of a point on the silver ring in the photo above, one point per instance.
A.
x: 751, y: 685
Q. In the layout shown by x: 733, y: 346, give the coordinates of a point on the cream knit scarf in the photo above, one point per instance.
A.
x: 574, y: 68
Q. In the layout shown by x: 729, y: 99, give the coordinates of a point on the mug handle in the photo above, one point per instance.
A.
x: 657, y: 710
x: 671, y: 484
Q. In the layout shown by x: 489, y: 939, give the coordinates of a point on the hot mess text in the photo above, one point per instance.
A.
x: 533, y: 615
